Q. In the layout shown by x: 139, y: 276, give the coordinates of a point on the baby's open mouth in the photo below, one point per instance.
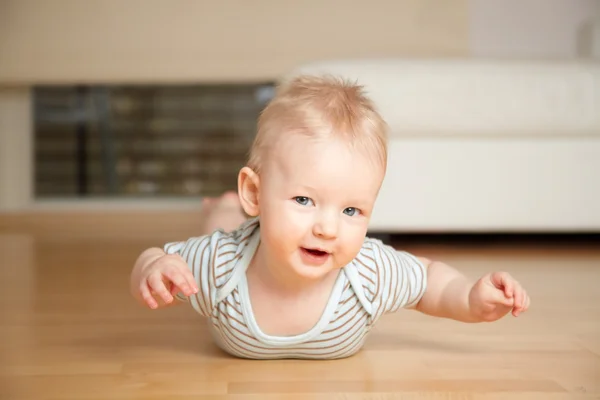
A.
x: 315, y: 252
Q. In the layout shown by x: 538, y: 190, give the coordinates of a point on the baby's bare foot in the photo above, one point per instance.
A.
x: 224, y: 212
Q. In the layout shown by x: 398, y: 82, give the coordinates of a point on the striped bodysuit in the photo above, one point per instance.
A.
x: 378, y: 281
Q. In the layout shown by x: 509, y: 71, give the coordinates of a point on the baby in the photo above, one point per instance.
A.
x: 284, y: 268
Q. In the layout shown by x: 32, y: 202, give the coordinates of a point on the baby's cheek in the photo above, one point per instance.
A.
x: 280, y: 233
x: 350, y: 246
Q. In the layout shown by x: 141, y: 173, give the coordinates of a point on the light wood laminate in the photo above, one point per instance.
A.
x: 70, y: 330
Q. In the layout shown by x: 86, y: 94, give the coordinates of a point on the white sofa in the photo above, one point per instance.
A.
x: 485, y: 145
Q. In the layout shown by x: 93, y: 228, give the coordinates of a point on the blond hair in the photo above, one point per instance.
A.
x: 320, y: 106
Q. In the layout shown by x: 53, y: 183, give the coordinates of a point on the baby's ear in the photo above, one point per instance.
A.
x: 248, y: 185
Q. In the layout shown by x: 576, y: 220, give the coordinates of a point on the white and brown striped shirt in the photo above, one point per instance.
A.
x: 378, y: 281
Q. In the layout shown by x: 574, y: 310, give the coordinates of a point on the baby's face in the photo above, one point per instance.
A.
x: 316, y: 198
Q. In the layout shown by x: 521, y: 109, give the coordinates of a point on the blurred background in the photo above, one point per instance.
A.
x: 111, y: 102
x: 117, y: 117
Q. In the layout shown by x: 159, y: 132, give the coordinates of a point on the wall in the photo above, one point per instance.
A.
x: 180, y: 40
x: 530, y: 28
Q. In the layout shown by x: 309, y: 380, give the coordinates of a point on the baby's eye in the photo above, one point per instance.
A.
x: 351, y: 211
x: 302, y: 200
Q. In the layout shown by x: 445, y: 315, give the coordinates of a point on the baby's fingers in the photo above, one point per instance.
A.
x: 182, y: 280
x: 147, y: 295
x: 158, y: 286
x: 521, y: 300
x: 504, y: 282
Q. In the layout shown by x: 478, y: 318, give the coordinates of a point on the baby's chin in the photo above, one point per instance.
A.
x: 315, y: 270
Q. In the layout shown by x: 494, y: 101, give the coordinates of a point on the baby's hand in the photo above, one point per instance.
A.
x: 495, y: 295
x: 165, y: 276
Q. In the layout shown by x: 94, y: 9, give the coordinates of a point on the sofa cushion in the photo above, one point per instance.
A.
x: 477, y: 97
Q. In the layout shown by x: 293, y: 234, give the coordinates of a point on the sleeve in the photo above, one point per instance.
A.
x: 198, y: 253
x: 401, y: 278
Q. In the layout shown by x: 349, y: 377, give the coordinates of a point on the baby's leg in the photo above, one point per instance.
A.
x: 224, y: 212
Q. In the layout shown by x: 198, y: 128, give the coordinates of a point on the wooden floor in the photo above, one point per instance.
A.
x: 69, y: 330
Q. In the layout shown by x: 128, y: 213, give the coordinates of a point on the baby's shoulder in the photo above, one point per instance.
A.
x: 377, y: 261
x: 391, y: 278
x: 380, y: 254
x: 217, y: 253
x: 369, y: 258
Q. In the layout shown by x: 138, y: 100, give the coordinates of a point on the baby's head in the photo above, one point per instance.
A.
x: 314, y: 172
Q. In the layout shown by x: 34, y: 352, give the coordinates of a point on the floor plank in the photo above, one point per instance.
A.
x: 69, y: 330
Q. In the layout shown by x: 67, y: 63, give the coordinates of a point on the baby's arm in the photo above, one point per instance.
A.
x: 157, y: 276
x: 437, y: 289
x: 450, y: 294
x: 447, y: 293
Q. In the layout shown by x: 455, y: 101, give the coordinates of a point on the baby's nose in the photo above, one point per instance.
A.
x: 327, y: 228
